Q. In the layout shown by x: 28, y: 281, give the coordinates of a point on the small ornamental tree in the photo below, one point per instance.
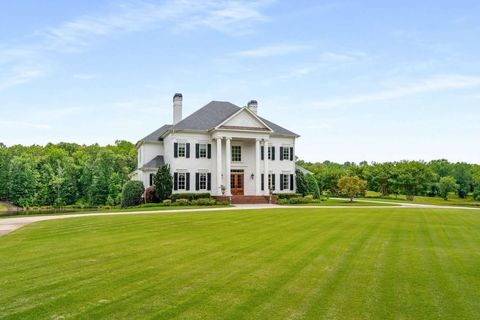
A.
x: 445, y: 185
x: 163, y: 182
x: 132, y: 193
x: 312, y: 186
x: 301, y: 183
x: 351, y: 186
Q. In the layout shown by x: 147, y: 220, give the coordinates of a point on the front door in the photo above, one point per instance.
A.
x: 236, y: 183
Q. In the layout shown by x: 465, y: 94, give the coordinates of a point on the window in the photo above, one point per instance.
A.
x: 202, y: 181
x: 181, y: 179
x: 202, y: 150
x: 236, y: 153
x: 286, y: 181
x: 182, y: 149
x: 271, y: 182
x: 286, y: 153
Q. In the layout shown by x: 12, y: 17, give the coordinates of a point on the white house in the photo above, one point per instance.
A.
x: 221, y: 144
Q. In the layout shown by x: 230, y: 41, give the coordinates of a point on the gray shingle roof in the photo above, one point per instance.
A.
x: 155, y: 135
x: 210, y: 116
x: 155, y: 163
x: 302, y: 169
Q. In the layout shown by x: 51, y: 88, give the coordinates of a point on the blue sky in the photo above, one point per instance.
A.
x: 358, y: 80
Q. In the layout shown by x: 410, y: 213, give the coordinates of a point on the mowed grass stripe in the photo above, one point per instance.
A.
x: 276, y: 264
x: 86, y: 278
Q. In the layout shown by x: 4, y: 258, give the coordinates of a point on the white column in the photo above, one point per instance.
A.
x: 265, y: 167
x: 257, y: 167
x: 219, y: 166
x: 228, y: 162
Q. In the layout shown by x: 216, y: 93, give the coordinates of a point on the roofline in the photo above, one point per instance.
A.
x: 240, y: 110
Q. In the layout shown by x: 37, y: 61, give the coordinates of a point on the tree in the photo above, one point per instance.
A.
x: 163, y: 182
x: 413, y: 177
x: 132, y: 193
x: 445, y: 185
x: 312, y: 186
x: 463, y: 174
x: 301, y: 182
x: 351, y: 186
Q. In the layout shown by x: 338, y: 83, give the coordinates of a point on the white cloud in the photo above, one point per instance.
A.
x: 434, y: 84
x: 16, y: 124
x: 272, y: 50
x: 78, y: 34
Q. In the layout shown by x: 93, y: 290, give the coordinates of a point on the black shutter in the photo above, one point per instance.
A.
x: 187, y: 181
x: 197, y: 150
x: 291, y: 153
x: 209, y: 181
x: 188, y: 150
x: 175, y: 151
x: 281, y: 153
x: 197, y: 180
x: 272, y: 155
x: 273, y: 181
x: 291, y: 182
x: 209, y: 151
x: 263, y: 182
x: 175, y: 181
x: 281, y: 181
x: 262, y: 151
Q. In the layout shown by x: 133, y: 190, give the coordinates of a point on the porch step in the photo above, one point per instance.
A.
x: 252, y: 199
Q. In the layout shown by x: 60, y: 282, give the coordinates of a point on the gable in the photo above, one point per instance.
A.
x: 244, y: 120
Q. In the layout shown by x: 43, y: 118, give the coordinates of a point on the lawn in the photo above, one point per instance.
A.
x: 453, y: 200
x: 344, y: 202
x: 255, y: 264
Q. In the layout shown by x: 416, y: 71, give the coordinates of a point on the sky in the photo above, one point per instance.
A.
x: 357, y: 80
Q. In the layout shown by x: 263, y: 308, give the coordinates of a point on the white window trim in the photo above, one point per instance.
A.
x: 287, y: 177
x: 202, y: 174
x: 200, y: 150
x: 287, y: 149
x: 231, y: 154
x: 184, y: 175
x: 184, y: 149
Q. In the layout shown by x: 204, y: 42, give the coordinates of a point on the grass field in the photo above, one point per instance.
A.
x: 344, y: 202
x: 453, y: 200
x: 254, y: 264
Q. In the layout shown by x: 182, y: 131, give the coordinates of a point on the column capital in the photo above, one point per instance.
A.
x: 228, y: 138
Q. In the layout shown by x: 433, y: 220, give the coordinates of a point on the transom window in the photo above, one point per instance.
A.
x: 286, y: 153
x: 202, y: 150
x: 286, y: 181
x: 182, y: 147
x: 236, y: 153
x: 202, y: 181
x: 182, y: 180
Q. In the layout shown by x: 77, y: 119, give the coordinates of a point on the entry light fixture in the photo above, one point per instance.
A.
x: 252, y: 176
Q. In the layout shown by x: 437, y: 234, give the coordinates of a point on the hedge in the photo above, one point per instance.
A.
x: 189, y: 196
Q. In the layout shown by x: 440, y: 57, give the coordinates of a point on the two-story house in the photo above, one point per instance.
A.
x: 222, y: 149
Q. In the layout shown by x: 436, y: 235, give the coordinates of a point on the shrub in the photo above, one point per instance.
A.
x: 288, y: 195
x: 204, y: 202
x: 167, y: 202
x: 163, y: 182
x: 190, y: 196
x: 298, y: 200
x: 308, y: 198
x: 312, y: 186
x: 132, y: 193
x: 182, y: 202
x: 282, y: 201
x: 151, y: 195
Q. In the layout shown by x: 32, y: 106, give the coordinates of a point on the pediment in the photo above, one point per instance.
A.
x: 244, y: 120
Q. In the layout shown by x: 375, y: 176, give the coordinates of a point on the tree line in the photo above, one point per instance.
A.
x: 65, y: 173
x: 411, y: 178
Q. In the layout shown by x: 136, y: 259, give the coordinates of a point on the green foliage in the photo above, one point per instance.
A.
x: 190, y: 196
x: 182, y: 202
x: 447, y: 184
x: 287, y: 195
x: 163, y: 182
x: 204, y: 202
x: 312, y: 186
x: 301, y: 183
x: 351, y: 186
x: 65, y: 173
x: 167, y: 202
x: 132, y: 193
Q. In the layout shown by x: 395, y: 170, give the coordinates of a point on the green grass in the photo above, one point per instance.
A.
x: 254, y: 264
x: 111, y: 210
x: 342, y: 202
x: 3, y: 207
x: 453, y: 200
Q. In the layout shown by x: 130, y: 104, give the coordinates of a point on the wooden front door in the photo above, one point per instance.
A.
x: 236, y: 183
